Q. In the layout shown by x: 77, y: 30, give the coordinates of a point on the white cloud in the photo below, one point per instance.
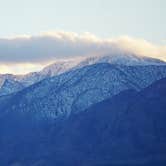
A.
x: 48, y: 46
x: 142, y: 47
x: 23, y: 68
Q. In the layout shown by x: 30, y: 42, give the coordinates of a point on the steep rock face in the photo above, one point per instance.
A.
x: 76, y: 90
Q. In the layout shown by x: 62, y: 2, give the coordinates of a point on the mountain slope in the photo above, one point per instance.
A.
x: 26, y: 80
x: 76, y: 90
x: 126, y: 59
x: 126, y: 129
x: 62, y: 66
x: 10, y: 86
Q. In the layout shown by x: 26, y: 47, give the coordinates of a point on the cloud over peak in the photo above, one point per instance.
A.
x: 49, y: 46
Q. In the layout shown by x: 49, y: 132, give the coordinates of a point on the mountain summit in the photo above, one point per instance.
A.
x: 61, y: 66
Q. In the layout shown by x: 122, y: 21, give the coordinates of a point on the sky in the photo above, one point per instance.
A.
x: 141, y: 22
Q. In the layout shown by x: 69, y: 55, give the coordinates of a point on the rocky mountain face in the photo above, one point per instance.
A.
x: 126, y: 129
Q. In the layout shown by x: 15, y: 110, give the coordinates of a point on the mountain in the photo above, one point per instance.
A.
x: 127, y: 59
x: 78, y: 89
x: 60, y: 67
x: 31, y: 78
x: 65, y: 65
x: 11, y: 77
x: 34, y: 77
x: 126, y: 129
x: 10, y: 86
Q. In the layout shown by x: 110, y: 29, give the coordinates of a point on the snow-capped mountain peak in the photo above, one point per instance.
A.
x: 62, y: 66
x: 126, y: 59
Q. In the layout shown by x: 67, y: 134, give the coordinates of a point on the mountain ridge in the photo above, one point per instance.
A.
x: 77, y: 89
x: 62, y: 66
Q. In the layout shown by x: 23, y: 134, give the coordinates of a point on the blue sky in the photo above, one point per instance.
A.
x: 105, y: 18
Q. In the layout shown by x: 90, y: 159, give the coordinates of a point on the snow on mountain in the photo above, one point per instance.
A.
x: 78, y: 89
x: 4, y: 77
x: 54, y: 69
x: 10, y: 86
x: 62, y: 66
x: 26, y: 80
x: 98, y: 136
x: 127, y: 59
